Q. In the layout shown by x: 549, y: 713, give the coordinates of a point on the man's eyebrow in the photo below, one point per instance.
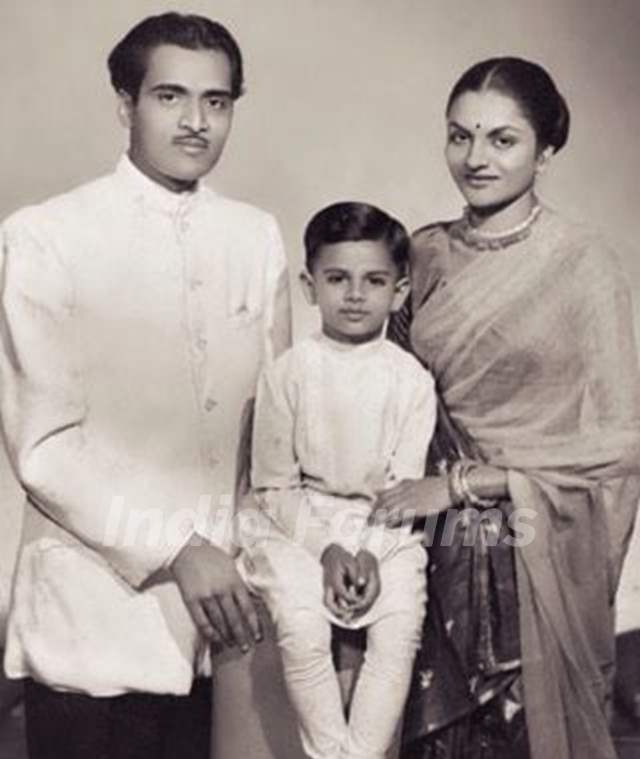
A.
x: 180, y: 89
x: 217, y: 93
x: 169, y: 87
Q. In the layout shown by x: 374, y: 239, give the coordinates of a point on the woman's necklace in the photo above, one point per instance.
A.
x: 475, y: 238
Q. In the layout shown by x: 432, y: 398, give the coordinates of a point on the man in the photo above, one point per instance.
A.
x: 136, y: 313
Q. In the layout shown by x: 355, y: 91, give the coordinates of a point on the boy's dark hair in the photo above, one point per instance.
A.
x: 354, y: 222
x: 128, y: 59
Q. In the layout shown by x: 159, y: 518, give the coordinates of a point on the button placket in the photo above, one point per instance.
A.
x: 194, y: 292
x: 192, y: 284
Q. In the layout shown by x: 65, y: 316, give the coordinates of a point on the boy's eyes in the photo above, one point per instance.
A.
x: 375, y: 280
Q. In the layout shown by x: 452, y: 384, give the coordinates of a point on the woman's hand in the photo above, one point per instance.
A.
x: 409, y: 500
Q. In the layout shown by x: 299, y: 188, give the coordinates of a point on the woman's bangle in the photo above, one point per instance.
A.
x: 460, y: 491
x: 470, y: 497
x: 454, y: 483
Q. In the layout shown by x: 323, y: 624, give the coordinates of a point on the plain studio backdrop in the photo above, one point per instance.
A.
x: 344, y: 100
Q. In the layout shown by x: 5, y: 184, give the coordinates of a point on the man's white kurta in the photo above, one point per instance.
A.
x: 134, y: 323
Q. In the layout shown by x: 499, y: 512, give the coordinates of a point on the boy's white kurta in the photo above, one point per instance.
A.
x: 134, y: 324
x: 334, y: 424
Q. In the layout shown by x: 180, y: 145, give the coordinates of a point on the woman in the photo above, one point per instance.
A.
x: 525, y: 321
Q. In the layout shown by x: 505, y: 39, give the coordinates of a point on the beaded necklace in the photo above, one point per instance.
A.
x: 474, y: 238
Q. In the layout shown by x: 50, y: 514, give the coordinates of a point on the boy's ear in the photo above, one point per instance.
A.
x: 402, y: 290
x: 308, y: 288
x: 125, y: 106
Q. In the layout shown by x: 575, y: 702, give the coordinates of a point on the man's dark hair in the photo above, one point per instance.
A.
x: 355, y: 222
x: 128, y: 59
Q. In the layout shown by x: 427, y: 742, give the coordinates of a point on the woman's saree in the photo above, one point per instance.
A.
x: 533, y: 352
x: 466, y: 695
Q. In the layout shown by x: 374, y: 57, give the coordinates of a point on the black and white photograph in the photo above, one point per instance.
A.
x: 319, y: 379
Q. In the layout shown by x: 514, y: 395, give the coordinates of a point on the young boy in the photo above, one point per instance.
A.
x: 339, y: 417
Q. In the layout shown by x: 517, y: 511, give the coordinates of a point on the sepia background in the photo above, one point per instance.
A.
x: 344, y: 100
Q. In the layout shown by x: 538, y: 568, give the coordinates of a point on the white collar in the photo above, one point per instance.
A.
x: 345, y: 347
x: 152, y: 194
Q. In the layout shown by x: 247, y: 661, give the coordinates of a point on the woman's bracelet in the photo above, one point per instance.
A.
x: 454, y: 482
x: 470, y: 497
x: 460, y: 491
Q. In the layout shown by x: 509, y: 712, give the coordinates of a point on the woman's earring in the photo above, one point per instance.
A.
x: 543, y: 160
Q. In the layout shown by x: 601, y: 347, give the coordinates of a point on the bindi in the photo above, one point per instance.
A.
x: 478, y: 126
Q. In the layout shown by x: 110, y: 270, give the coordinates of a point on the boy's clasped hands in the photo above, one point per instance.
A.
x: 351, y: 582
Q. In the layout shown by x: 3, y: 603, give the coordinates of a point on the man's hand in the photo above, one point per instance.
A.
x: 367, y: 582
x: 340, y: 577
x: 215, y: 595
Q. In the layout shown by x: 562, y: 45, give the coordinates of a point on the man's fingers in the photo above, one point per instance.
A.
x: 218, y: 619
x: 244, y: 601
x: 216, y: 639
x: 235, y: 621
x: 202, y: 622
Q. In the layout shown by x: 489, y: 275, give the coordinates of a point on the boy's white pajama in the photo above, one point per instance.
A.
x: 334, y: 424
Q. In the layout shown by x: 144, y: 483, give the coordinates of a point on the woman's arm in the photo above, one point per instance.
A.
x: 418, y: 499
x: 488, y: 482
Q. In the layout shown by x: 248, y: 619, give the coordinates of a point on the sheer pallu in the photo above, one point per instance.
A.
x: 535, y: 361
